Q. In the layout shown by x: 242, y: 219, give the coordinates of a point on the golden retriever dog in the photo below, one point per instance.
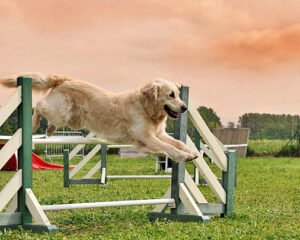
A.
x: 136, y: 117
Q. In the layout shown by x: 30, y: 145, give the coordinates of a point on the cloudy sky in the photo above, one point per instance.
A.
x: 236, y: 56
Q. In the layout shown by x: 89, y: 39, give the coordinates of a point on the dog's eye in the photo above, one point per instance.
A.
x: 172, y: 95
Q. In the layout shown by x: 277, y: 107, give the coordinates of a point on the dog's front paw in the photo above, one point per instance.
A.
x: 185, y: 157
x: 193, y: 157
x: 196, y: 154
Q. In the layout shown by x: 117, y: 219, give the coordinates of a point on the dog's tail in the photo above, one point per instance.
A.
x: 40, y: 81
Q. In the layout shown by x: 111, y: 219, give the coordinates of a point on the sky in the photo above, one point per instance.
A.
x: 236, y: 56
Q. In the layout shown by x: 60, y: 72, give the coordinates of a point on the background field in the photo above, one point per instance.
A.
x: 266, y: 204
x: 265, y: 147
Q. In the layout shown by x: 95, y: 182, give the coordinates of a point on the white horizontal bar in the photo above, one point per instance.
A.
x: 58, y: 207
x: 235, y: 145
x: 137, y: 176
x: 119, y: 146
x: 70, y: 141
x: 78, y: 141
x: 60, y: 140
x: 5, y: 137
x: 227, y: 145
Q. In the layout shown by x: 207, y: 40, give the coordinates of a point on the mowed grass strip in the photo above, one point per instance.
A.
x: 266, y: 147
x: 267, y: 204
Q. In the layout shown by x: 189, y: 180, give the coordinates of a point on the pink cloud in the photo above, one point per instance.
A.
x: 259, y: 48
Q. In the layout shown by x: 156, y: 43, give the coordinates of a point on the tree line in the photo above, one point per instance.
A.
x: 270, y: 126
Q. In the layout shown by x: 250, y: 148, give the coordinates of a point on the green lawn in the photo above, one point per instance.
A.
x: 266, y: 147
x: 267, y: 204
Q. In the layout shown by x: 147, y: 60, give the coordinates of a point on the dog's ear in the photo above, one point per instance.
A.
x: 151, y: 90
x: 178, y: 85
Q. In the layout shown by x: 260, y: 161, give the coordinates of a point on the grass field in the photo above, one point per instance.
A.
x: 266, y: 147
x: 267, y: 204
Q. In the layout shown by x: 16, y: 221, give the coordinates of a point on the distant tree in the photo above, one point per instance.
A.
x: 10, y: 125
x: 210, y: 117
x: 230, y: 124
x: 269, y: 126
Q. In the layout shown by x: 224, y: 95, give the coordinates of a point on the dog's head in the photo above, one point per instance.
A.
x: 165, y: 97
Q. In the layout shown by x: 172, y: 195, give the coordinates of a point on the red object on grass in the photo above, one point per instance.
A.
x: 37, y: 164
x: 40, y: 164
x: 11, y: 165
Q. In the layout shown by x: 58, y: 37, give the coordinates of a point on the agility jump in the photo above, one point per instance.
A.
x: 185, y: 200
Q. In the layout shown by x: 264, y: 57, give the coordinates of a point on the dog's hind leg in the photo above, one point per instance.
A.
x: 50, y: 130
x: 36, y: 118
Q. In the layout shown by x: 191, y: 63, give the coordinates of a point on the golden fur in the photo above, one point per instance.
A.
x: 135, y: 117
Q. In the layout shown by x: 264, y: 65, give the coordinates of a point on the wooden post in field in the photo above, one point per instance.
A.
x: 25, y: 151
x: 229, y: 180
x: 103, y: 164
x: 66, y: 168
x: 178, y: 168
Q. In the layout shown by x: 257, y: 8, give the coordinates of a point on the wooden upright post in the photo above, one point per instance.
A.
x: 25, y: 151
x: 66, y: 168
x: 229, y: 182
x: 103, y: 164
x: 27, y: 203
x: 178, y: 168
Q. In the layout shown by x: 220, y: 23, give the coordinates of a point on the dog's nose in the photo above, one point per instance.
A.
x: 183, y: 108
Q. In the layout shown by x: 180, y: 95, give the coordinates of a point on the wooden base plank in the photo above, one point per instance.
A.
x: 177, y: 217
x: 212, y: 208
x: 8, y: 219
x: 84, y: 181
x: 9, y: 227
x: 35, y: 228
